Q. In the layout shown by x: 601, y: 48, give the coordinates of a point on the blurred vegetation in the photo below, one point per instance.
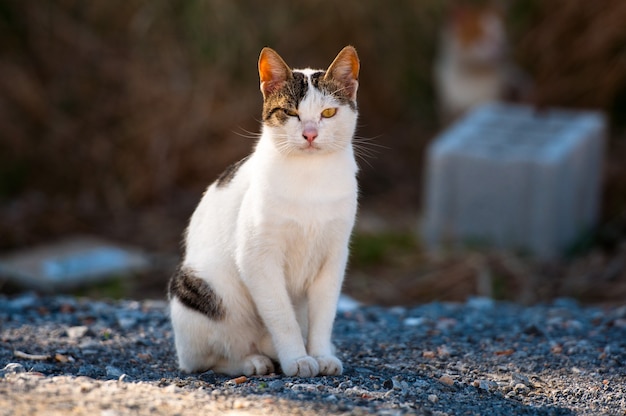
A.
x: 114, y: 115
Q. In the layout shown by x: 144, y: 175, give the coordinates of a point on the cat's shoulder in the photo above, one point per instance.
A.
x: 230, y: 172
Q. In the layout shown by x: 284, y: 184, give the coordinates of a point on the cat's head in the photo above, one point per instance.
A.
x: 309, y: 111
x: 478, y: 34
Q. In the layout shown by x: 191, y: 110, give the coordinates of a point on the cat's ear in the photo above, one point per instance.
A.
x: 345, y: 70
x: 273, y: 71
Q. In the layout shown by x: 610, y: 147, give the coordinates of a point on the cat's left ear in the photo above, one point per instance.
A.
x: 345, y: 69
x: 273, y: 71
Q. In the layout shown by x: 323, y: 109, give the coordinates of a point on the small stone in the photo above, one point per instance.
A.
x: 13, y: 368
x: 397, y: 383
x: 518, y: 378
x: 113, y: 372
x: 414, y: 321
x: 276, y: 385
x: 239, y: 404
x: 443, y: 351
x: 533, y: 330
x: 429, y: 354
x: 521, y: 388
x: 447, y: 380
x: 481, y: 303
x: 77, y: 332
x: 488, y: 385
x: 126, y: 322
x: 446, y: 324
x: 433, y: 398
x: 556, y: 349
x: 172, y: 388
x: 64, y: 359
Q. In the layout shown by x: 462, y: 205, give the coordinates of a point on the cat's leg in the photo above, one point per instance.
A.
x: 254, y: 364
x: 263, y: 275
x: 191, y: 332
x: 200, y: 345
x: 323, y: 295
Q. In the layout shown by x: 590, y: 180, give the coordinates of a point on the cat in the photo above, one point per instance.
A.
x: 267, y: 247
x: 473, y: 65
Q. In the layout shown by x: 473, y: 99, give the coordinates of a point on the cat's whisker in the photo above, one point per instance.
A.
x: 367, y: 139
x: 365, y: 146
x: 363, y: 158
x: 374, y: 146
x: 247, y: 134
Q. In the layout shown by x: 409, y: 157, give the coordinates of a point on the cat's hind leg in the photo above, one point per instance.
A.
x: 253, y: 364
x: 191, y: 336
x: 202, y: 344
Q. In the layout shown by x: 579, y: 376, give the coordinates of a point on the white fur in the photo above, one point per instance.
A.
x: 273, y: 244
x: 468, y: 75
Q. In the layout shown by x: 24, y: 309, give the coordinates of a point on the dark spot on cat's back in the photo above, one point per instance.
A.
x: 196, y: 294
x: 227, y: 176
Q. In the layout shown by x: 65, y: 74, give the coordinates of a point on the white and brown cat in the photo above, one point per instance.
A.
x: 266, y: 249
x: 473, y: 64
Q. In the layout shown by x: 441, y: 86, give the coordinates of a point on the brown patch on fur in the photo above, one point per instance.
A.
x: 288, y: 96
x: 196, y: 294
x: 333, y: 87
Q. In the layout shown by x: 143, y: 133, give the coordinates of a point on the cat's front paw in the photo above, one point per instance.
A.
x: 329, y: 365
x: 257, y: 364
x: 301, y: 367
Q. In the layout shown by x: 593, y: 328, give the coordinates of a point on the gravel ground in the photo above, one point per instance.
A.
x: 68, y: 356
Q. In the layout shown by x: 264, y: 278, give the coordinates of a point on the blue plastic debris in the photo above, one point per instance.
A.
x: 71, y: 263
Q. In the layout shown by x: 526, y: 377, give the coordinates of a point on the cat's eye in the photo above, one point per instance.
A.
x: 329, y: 112
x: 290, y: 112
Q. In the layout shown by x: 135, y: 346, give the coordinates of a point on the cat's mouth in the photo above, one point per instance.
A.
x: 310, y: 147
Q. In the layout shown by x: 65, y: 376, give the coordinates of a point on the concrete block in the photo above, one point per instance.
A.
x: 71, y: 263
x: 513, y: 177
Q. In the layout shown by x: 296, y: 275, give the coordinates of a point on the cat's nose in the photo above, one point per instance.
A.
x: 309, y: 134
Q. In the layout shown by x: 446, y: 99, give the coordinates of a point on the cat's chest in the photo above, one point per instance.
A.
x: 308, y: 193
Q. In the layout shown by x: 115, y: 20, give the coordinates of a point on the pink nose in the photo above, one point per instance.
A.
x: 309, y: 134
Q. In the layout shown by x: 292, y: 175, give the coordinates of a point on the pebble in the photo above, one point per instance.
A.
x: 77, y: 332
x: 518, y: 378
x: 113, y: 372
x: 488, y: 385
x: 480, y: 303
x: 276, y: 385
x: 414, y: 321
x: 13, y: 368
x: 447, y: 380
x: 521, y: 388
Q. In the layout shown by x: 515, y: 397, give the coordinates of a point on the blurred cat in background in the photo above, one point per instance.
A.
x: 472, y: 64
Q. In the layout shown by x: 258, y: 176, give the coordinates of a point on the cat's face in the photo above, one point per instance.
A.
x: 309, y: 111
x: 479, y: 34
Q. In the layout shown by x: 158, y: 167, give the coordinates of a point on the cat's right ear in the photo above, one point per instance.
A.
x: 273, y: 71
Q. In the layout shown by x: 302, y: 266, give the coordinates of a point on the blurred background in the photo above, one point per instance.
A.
x: 115, y: 115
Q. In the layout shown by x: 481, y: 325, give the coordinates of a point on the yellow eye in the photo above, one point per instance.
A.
x: 329, y: 112
x: 290, y: 112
